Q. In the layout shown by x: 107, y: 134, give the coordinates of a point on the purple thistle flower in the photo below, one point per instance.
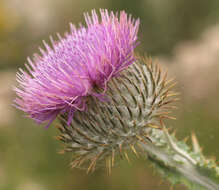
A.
x: 60, y: 79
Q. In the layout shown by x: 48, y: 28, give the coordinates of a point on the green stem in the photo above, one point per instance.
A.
x: 180, y: 165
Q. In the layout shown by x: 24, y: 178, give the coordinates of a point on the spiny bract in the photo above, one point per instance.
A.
x: 137, y: 100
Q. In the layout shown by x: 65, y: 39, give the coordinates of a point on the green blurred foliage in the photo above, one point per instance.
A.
x: 28, y: 153
x: 166, y: 22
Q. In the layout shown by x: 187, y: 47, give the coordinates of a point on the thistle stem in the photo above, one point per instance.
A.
x: 177, y: 164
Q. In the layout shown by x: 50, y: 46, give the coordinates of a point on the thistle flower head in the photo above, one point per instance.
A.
x: 138, y: 100
x: 60, y: 79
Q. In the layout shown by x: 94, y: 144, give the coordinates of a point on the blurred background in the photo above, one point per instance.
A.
x: 182, y: 35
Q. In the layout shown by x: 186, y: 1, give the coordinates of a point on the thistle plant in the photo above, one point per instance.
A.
x: 109, y: 101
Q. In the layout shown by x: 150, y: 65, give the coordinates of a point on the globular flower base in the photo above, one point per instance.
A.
x: 137, y: 100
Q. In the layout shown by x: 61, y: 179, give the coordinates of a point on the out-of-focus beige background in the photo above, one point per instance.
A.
x: 182, y: 35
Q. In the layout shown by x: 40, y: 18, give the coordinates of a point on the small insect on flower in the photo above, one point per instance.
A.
x: 79, y: 65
